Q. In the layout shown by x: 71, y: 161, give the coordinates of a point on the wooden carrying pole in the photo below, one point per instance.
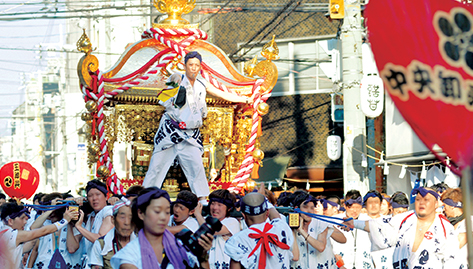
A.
x: 467, y: 187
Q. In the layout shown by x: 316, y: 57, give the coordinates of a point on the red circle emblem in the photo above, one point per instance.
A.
x: 428, y: 235
x: 182, y: 125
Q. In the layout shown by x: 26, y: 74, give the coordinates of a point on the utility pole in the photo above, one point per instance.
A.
x: 354, y: 175
x: 62, y: 92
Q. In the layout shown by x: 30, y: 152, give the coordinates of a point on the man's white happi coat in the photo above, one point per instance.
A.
x: 46, y: 249
x: 183, y: 142
x: 356, y: 252
x: 218, y: 259
x: 9, y: 237
x: 309, y: 257
x: 239, y: 246
x: 436, y: 251
x: 93, y: 228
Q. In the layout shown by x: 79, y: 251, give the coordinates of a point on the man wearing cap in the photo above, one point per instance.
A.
x: 178, y: 135
x: 14, y: 218
x: 99, y: 222
x: 263, y: 244
x: 356, y: 251
x: 117, y: 238
x: 420, y: 238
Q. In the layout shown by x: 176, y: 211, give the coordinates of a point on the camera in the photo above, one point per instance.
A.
x: 189, y: 239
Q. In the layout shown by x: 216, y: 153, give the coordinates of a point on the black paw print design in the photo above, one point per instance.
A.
x: 455, y: 31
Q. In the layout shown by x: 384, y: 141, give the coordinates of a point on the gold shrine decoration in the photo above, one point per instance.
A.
x: 88, y: 62
x: 218, y: 126
x: 265, y: 69
x: 136, y: 122
x: 174, y: 9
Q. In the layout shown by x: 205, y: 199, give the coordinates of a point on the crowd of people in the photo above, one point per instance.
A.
x: 144, y: 229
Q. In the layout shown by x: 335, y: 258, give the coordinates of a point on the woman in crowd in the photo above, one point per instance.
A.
x: 155, y: 246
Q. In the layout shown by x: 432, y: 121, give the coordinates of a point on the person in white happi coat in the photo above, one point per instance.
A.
x: 221, y: 203
x: 105, y: 247
x: 421, y: 239
x: 14, y: 218
x: 264, y: 244
x: 186, y: 204
x: 178, y: 134
x: 331, y: 206
x: 99, y: 222
x: 313, y: 236
x: 399, y: 203
x: 356, y: 252
x: 453, y: 209
x: 372, y: 201
x: 52, y: 243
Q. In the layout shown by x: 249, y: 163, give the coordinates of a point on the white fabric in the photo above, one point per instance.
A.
x: 452, y: 180
x: 438, y: 248
x: 46, y: 249
x: 195, y: 107
x: 217, y: 257
x: 17, y: 251
x: 190, y: 159
x: 171, y: 142
x: 356, y: 251
x: 97, y: 253
x: 191, y: 223
x: 309, y: 257
x: 30, y: 221
x: 95, y: 227
x: 383, y: 258
x: 131, y: 254
x: 462, y: 256
x: 414, y: 177
x: 239, y: 246
x: 434, y: 176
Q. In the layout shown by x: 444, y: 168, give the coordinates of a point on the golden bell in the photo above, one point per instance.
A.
x: 263, y: 109
x: 94, y: 149
x: 86, y: 116
x: 103, y: 171
x: 91, y: 106
x: 258, y: 154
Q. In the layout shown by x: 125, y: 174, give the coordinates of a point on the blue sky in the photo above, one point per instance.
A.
x: 16, y: 39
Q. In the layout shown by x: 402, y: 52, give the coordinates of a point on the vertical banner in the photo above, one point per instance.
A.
x: 424, y: 52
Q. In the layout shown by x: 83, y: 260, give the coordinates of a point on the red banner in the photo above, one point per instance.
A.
x: 19, y: 179
x: 424, y: 52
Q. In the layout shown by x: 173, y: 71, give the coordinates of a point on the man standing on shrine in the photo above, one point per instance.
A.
x: 178, y: 134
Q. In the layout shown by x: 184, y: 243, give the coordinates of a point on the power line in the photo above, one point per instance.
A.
x: 56, y: 50
x: 268, y: 33
x: 264, y: 27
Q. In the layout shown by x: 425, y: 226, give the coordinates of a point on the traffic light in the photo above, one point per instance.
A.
x: 337, y: 9
x: 337, y: 113
x: 336, y: 108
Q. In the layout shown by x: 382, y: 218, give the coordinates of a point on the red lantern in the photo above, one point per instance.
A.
x: 19, y: 179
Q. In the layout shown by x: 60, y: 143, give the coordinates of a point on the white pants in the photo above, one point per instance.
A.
x: 190, y: 159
